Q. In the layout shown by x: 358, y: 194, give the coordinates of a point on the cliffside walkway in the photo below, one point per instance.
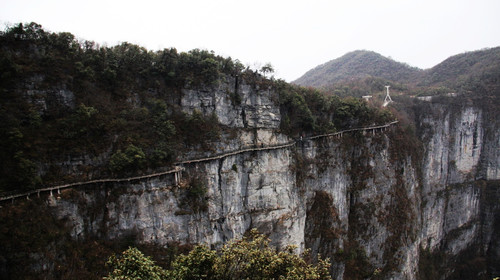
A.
x: 177, y: 171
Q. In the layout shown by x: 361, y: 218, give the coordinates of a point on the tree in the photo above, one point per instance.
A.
x: 198, y: 264
x: 132, y: 159
x: 267, y: 68
x: 248, y: 258
x: 132, y: 264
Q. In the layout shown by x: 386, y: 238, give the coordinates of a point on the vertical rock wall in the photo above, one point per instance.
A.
x: 363, y: 200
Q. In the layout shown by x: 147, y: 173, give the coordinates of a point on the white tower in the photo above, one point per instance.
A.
x: 388, y: 98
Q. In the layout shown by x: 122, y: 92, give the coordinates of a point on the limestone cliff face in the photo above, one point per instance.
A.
x: 238, y: 106
x: 461, y: 148
x: 363, y: 200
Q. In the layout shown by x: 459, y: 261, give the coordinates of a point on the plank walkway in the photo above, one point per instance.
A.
x: 178, y: 168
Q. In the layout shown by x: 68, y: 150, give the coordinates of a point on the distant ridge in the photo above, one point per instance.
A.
x: 477, y: 71
x: 466, y: 68
x: 355, y: 65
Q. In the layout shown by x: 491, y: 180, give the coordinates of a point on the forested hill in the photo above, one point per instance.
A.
x: 476, y: 71
x: 357, y: 65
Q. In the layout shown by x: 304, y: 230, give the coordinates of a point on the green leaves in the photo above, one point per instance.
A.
x: 133, y: 265
x: 198, y: 264
x: 248, y: 258
x: 132, y: 158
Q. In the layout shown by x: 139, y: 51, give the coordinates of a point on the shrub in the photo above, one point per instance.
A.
x: 133, y: 158
x: 132, y: 264
x: 195, y: 196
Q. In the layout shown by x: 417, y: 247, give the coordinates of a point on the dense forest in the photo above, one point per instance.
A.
x: 64, y: 98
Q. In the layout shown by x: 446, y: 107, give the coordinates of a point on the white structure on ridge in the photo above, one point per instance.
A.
x: 388, y: 98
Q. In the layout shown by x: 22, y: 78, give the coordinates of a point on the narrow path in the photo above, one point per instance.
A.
x: 178, y: 169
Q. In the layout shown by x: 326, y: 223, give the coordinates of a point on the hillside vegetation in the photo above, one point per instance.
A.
x: 357, y: 65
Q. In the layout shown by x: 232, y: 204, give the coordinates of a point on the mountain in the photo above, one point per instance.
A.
x: 476, y: 71
x: 354, y: 65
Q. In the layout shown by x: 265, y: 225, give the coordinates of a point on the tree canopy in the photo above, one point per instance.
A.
x: 248, y: 258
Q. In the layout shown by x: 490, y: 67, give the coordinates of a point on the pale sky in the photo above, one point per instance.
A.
x: 294, y: 36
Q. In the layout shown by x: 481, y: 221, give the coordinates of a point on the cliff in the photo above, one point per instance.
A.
x: 379, y: 204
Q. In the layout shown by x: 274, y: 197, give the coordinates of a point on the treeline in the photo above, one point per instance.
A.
x: 62, y: 56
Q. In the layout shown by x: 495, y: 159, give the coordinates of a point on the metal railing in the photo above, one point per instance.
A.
x: 178, y: 169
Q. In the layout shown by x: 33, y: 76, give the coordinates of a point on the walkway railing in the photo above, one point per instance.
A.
x: 177, y: 171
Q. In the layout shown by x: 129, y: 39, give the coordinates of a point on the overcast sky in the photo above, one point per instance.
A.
x: 294, y: 36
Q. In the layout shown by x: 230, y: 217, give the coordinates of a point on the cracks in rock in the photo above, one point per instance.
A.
x: 219, y: 180
x: 244, y: 117
x: 222, y: 217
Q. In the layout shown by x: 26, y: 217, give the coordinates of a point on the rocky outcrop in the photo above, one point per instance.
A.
x: 236, y: 104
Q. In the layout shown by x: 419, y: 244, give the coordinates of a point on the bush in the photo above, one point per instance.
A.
x: 195, y: 196
x: 132, y: 264
x: 132, y: 159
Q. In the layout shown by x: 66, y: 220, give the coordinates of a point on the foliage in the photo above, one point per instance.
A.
x: 430, y: 264
x: 466, y: 70
x: 133, y: 265
x: 198, y: 264
x: 199, y: 129
x: 369, y: 85
x: 267, y: 68
x: 132, y: 158
x: 17, y: 168
x: 248, y: 258
x: 195, y: 196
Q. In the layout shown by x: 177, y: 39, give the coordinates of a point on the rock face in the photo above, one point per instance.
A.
x: 238, y: 106
x: 368, y: 202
